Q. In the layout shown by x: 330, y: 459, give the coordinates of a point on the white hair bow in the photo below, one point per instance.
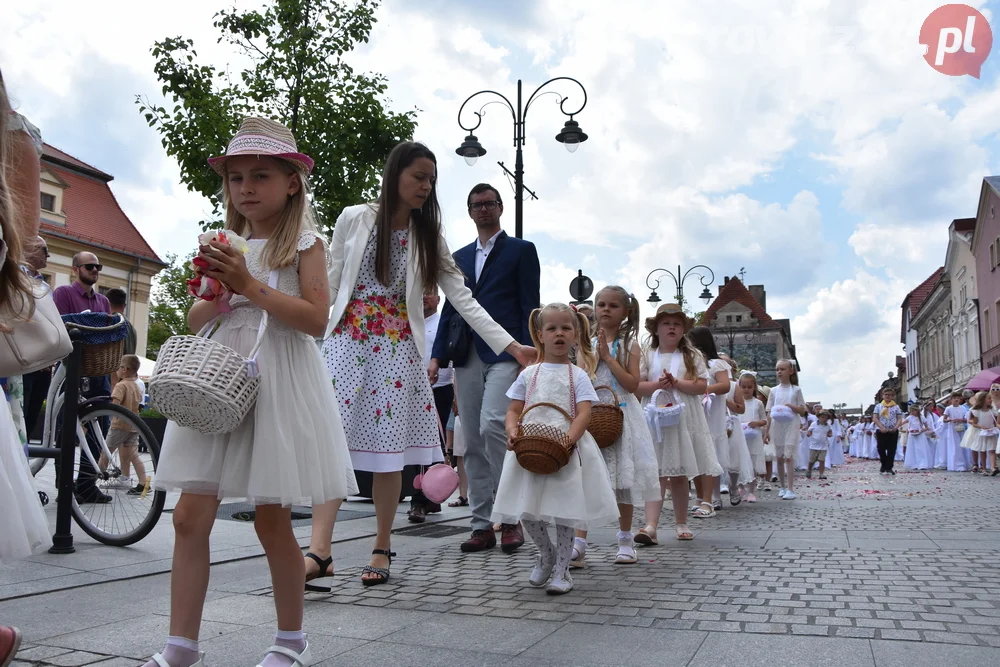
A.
x: 752, y: 373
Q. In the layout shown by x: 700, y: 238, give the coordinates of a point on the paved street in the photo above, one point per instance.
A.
x: 860, y: 570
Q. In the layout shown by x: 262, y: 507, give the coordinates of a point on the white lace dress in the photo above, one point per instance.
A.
x: 291, y: 447
x: 739, y: 448
x: 579, y: 494
x: 686, y: 449
x: 755, y: 435
x: 718, y: 418
x: 784, y: 430
x: 631, y: 462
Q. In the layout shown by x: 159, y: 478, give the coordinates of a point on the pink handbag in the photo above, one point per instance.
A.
x: 437, y: 482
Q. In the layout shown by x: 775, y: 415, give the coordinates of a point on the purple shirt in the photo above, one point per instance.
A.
x: 74, y: 299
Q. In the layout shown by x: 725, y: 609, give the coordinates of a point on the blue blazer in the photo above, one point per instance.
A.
x: 509, y: 291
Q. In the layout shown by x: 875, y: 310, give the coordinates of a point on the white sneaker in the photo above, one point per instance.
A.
x: 541, y: 573
x: 781, y: 493
x: 561, y: 583
x: 788, y: 496
x: 724, y: 489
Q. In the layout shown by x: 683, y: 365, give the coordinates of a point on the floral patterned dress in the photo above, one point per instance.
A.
x: 386, y: 401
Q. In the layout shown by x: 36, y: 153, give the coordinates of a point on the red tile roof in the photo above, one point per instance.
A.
x: 916, y: 297
x: 93, y: 215
x: 54, y: 154
x: 734, y: 290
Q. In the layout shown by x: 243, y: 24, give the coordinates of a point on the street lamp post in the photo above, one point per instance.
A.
x: 749, y: 336
x: 571, y: 135
x: 679, y: 280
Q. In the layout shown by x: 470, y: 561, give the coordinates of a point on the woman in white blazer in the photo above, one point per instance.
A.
x: 383, y: 258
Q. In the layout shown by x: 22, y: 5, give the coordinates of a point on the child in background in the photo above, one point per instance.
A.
x: 754, y: 420
x: 820, y: 435
x: 127, y: 394
x: 785, y: 407
x: 578, y: 495
x: 919, y: 452
x: 455, y: 446
x: 983, y: 420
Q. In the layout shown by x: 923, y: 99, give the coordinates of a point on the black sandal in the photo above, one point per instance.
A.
x: 381, y: 573
x: 324, y: 565
x: 461, y: 502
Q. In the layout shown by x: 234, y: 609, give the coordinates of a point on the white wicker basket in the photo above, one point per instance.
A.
x: 204, y: 385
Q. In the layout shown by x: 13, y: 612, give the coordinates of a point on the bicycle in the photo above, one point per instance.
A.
x: 126, y: 518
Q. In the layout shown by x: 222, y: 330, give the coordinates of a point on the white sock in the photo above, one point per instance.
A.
x: 179, y: 652
x: 580, y: 545
x: 291, y: 639
x: 189, y: 644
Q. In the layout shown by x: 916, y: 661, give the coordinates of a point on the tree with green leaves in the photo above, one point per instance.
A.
x: 170, y: 303
x: 297, y: 74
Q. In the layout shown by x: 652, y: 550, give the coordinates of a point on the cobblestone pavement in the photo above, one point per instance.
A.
x: 859, y: 570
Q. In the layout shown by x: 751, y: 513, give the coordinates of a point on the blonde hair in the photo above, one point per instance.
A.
x: 585, y: 356
x: 297, y: 217
x: 628, y: 330
x: 687, y: 348
x: 979, y: 400
x: 794, y: 378
x: 15, y: 286
x: 131, y: 362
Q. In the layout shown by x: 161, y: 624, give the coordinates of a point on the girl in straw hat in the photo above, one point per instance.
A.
x: 673, y: 372
x: 291, y: 447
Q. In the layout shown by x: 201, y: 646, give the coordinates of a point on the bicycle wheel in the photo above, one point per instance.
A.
x: 131, y: 512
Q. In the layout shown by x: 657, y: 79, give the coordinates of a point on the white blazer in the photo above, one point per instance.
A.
x: 350, y: 238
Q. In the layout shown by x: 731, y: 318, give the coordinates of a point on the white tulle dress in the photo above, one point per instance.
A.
x: 23, y: 528
x: 755, y: 435
x: 291, y: 448
x: 579, y: 494
x: 631, y: 462
x: 685, y: 449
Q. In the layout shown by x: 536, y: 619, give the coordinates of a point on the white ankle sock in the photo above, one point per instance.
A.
x: 182, y: 642
x: 179, y: 652
x: 292, y: 639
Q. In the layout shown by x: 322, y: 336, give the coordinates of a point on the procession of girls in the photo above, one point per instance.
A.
x: 688, y: 415
x: 962, y: 437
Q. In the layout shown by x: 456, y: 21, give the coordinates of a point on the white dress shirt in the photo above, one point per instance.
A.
x: 482, y: 252
x: 431, y: 327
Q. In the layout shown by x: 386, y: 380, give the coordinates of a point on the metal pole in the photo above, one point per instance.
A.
x: 519, y: 168
x: 62, y: 541
x: 680, y: 288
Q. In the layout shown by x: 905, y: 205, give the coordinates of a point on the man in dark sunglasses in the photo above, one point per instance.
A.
x: 78, y: 297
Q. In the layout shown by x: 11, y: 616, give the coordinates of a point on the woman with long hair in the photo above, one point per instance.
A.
x: 384, y: 256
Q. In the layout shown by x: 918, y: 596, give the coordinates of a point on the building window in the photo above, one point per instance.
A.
x: 48, y: 202
x: 739, y: 318
x: 987, y: 331
x: 729, y: 318
x: 993, y: 256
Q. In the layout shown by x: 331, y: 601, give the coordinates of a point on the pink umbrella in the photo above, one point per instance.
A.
x: 983, y: 379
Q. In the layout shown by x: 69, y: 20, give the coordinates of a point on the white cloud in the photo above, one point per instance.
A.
x: 690, y: 104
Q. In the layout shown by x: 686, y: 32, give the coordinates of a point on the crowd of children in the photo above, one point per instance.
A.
x: 959, y: 437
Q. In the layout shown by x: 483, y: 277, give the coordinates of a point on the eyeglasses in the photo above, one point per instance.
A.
x: 91, y: 267
x: 489, y: 205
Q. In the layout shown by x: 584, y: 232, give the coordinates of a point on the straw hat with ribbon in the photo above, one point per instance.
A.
x: 665, y: 310
x: 262, y: 136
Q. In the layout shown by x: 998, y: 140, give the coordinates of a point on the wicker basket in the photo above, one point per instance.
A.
x: 540, y: 448
x: 606, y: 420
x: 103, y: 341
x: 204, y: 385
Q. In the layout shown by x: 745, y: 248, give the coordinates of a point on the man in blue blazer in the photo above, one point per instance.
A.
x: 504, y: 274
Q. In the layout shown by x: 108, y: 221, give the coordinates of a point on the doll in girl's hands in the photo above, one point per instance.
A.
x: 203, y: 286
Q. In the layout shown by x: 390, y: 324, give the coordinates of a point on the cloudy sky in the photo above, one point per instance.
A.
x: 805, y: 142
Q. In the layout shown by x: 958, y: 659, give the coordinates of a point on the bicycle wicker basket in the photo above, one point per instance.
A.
x: 540, y: 448
x: 204, y: 385
x: 606, y: 420
x: 103, y: 341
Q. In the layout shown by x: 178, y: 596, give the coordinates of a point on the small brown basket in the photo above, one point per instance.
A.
x: 540, y: 448
x: 606, y: 420
x: 102, y: 358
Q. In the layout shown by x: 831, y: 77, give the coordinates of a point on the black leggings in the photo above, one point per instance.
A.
x: 887, y: 442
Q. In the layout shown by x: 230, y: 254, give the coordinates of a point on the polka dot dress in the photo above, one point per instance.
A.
x: 386, y: 401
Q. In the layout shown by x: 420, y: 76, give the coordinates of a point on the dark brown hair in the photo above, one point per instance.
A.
x: 427, y: 219
x: 482, y: 187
